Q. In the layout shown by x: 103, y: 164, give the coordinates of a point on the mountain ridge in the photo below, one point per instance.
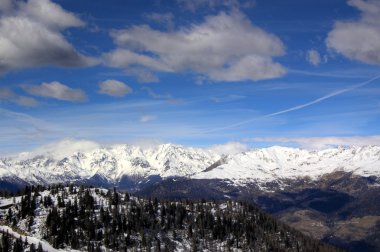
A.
x: 169, y: 160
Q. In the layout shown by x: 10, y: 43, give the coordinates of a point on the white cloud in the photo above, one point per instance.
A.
x: 30, y: 36
x: 114, y: 88
x: 50, y: 14
x: 370, y: 9
x: 225, y: 47
x: 126, y: 58
x: 57, y: 91
x: 229, y: 148
x: 62, y: 149
x: 359, y: 40
x: 147, y: 118
x: 323, y: 142
x: 313, y: 57
x: 9, y: 96
x: 146, y: 143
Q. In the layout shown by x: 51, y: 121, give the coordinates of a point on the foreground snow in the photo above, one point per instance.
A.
x: 31, y: 240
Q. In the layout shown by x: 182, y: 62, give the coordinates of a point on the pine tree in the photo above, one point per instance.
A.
x: 39, y: 249
x: 32, y: 248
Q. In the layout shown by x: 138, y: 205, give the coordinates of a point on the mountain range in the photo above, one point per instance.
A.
x: 262, y: 166
x: 331, y: 194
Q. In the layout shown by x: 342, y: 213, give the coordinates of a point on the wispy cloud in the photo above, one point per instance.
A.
x: 229, y: 148
x: 165, y: 19
x: 346, y: 74
x: 313, y: 57
x: 301, y: 106
x: 320, y: 142
x: 155, y: 95
x: 8, y: 95
x: 22, y: 117
x: 24, y: 126
x: 57, y: 91
x: 167, y: 97
x: 26, y: 101
x: 147, y: 118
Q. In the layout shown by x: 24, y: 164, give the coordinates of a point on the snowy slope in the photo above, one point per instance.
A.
x: 276, y: 163
x: 31, y: 240
x: 167, y: 160
x: 111, y: 163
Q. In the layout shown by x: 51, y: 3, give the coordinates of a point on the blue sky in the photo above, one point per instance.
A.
x: 197, y: 73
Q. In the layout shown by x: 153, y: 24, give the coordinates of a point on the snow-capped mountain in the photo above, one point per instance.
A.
x: 313, y: 191
x: 278, y: 163
x: 112, y: 164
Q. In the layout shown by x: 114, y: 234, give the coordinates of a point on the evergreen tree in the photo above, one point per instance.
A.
x: 39, y: 248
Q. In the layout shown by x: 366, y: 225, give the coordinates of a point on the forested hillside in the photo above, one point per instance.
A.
x: 93, y: 219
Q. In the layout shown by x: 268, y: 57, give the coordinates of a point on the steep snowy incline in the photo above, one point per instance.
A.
x: 168, y: 160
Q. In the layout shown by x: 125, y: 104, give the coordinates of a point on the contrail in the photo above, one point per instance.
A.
x: 332, y: 75
x: 301, y: 106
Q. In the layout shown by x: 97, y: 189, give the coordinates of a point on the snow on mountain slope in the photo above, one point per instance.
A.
x: 276, y: 163
x: 167, y: 160
x: 111, y: 163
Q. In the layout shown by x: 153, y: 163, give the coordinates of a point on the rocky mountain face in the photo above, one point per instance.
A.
x: 331, y: 194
